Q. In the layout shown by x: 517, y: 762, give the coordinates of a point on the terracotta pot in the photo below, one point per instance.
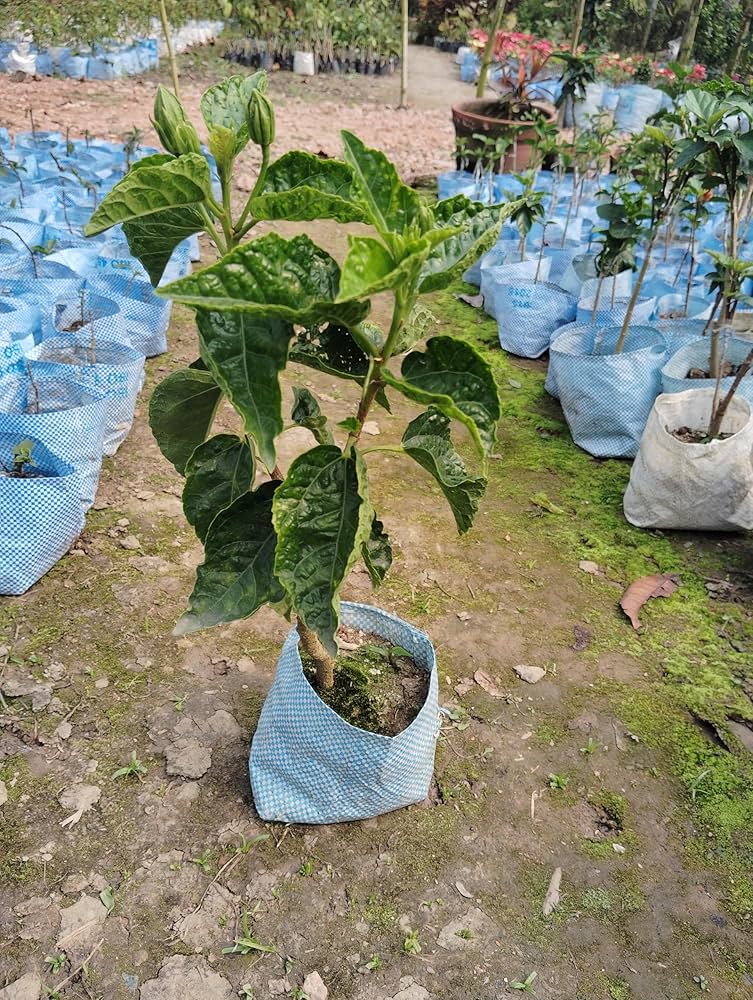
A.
x: 474, y: 117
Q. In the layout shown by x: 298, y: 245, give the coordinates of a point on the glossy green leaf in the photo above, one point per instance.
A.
x: 330, y: 349
x: 427, y: 441
x: 222, y: 146
x: 307, y: 413
x: 417, y: 327
x: 246, y: 353
x: 181, y: 412
x: 689, y: 150
x: 377, y: 552
x: 368, y: 267
x: 455, y: 378
x: 322, y: 517
x: 142, y: 192
x: 391, y: 206
x: 300, y: 187
x: 217, y: 473
x: 701, y: 103
x: 237, y: 575
x: 452, y: 256
x: 226, y: 105
x: 293, y: 279
x: 153, y: 238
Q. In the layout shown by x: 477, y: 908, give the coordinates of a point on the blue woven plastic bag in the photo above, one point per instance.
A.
x: 679, y: 332
x: 146, y: 316
x: 508, y: 273
x: 112, y: 369
x: 68, y: 418
x: 528, y: 313
x: 609, y: 315
x: 308, y: 765
x: 40, y: 516
x: 674, y: 374
x: 607, y: 397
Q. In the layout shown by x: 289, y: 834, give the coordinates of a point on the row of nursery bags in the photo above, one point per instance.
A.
x: 545, y: 296
x: 78, y: 317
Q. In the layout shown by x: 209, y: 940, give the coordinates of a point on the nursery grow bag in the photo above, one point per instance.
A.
x: 674, y: 374
x: 308, y: 765
x: 40, y: 516
x: 112, y: 369
x: 608, y: 315
x: 70, y: 421
x: 700, y: 487
x: 496, y: 275
x: 528, y: 313
x: 607, y: 397
x: 146, y: 315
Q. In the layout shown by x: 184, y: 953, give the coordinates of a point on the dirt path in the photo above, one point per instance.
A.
x: 599, y: 769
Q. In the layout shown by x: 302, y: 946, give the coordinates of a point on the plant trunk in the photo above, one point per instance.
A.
x: 688, y: 38
x: 719, y: 412
x: 650, y: 15
x: 742, y: 39
x: 634, y: 297
x: 577, y: 26
x: 596, y: 298
x: 169, y: 47
x: 486, y: 59
x: 325, y: 665
x: 403, y: 54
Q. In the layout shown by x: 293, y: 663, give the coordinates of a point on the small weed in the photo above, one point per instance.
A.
x: 179, y: 701
x: 56, y: 962
x: 558, y: 781
x: 374, y: 963
x: 701, y: 983
x: 204, y: 861
x: 589, y: 748
x: 411, y: 945
x: 246, y: 992
x: 597, y: 901
x: 133, y: 769
x: 246, y: 944
x: 306, y: 869
x: 464, y: 933
x: 298, y: 994
x: 526, y: 986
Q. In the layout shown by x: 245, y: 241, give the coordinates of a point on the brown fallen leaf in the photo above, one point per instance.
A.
x: 644, y: 589
x: 488, y: 684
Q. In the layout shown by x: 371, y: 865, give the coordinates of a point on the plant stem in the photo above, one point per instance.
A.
x: 720, y: 411
x: 486, y: 59
x: 596, y: 298
x: 238, y: 229
x: 634, y: 297
x: 325, y: 664
x: 404, y: 22
x: 31, y: 252
x: 169, y: 46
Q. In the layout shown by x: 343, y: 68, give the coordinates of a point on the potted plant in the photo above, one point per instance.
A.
x: 291, y: 539
x: 42, y: 513
x: 513, y: 114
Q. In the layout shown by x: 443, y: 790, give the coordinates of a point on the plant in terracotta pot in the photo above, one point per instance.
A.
x: 288, y: 537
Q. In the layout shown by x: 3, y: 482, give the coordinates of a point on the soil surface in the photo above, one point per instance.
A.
x: 618, y: 775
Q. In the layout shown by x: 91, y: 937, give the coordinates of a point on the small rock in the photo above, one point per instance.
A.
x: 463, y: 616
x: 531, y: 675
x: 64, y: 730
x: 245, y: 664
x: 412, y: 991
x: 183, y: 976
x: 369, y: 427
x: 130, y: 542
x: 101, y: 683
x: 80, y: 927
x: 463, y: 686
x: 3, y: 793
x: 589, y: 567
x: 28, y: 987
x: 618, y: 848
x: 488, y: 684
x: 79, y: 799
x: 187, y: 758
x: 463, y: 891
x: 279, y: 987
x: 314, y: 987
x: 203, y: 930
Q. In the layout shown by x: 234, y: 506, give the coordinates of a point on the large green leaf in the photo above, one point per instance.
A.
x: 182, y: 181
x: 217, y: 473
x: 293, y: 279
x: 181, y: 412
x: 455, y: 378
x: 153, y: 238
x: 391, y: 206
x: 330, y: 349
x: 701, y: 103
x: 322, y: 517
x: 246, y: 353
x: 226, y: 105
x: 300, y: 187
x: 237, y: 575
x: 449, y: 259
x: 307, y: 413
x: 369, y: 267
x: 377, y: 552
x: 427, y: 440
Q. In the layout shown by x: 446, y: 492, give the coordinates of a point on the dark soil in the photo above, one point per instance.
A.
x: 378, y: 687
x: 75, y: 325
x: 689, y: 436
x: 728, y: 370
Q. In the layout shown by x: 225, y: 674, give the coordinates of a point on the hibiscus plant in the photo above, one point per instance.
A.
x: 289, y: 537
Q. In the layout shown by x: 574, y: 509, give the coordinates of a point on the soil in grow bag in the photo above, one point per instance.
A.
x: 378, y: 687
x: 728, y: 369
x: 689, y: 436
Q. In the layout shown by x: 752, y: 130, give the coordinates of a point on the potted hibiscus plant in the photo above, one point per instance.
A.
x: 289, y: 537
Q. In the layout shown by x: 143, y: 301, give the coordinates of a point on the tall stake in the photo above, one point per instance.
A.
x: 169, y: 46
x: 577, y: 26
x: 403, y: 54
x: 486, y: 59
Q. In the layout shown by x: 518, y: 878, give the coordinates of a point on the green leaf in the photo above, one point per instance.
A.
x: 107, y: 898
x: 701, y: 103
x: 217, y: 473
x: 246, y: 353
x: 370, y: 268
x: 307, y: 413
x: 226, y: 105
x: 222, y: 146
x: 153, y: 238
x: 237, y: 575
x: 181, y: 412
x: 377, y: 553
x: 391, y: 206
x: 293, y: 279
x: 427, y: 441
x: 450, y: 258
x: 180, y: 182
x: 300, y: 187
x: 177, y: 134
x: 689, y: 150
x: 455, y: 378
x: 416, y: 327
x: 330, y: 349
x: 322, y: 517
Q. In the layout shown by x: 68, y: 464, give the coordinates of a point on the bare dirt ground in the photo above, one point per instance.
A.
x: 131, y: 887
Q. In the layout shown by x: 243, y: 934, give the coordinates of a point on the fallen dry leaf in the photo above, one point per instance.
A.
x: 475, y: 301
x: 463, y: 891
x: 463, y: 686
x: 488, y: 684
x: 644, y: 589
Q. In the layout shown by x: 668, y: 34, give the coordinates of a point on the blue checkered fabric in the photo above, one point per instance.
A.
x: 608, y: 315
x: 70, y: 422
x: 512, y: 272
x: 146, y: 316
x: 40, y: 516
x: 696, y: 355
x: 112, y: 369
x: 308, y: 765
x: 88, y: 312
x: 528, y: 313
x: 607, y: 397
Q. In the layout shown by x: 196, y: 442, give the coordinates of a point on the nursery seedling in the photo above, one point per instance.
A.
x: 133, y: 769
x: 558, y: 781
x: 22, y: 460
x: 411, y: 944
x: 526, y: 986
x: 246, y: 944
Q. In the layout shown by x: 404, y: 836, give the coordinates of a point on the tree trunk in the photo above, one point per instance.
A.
x: 719, y: 412
x: 742, y: 39
x: 486, y: 59
x: 325, y: 665
x: 650, y: 15
x: 634, y: 297
x: 688, y: 39
x: 577, y: 26
x: 404, y: 54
